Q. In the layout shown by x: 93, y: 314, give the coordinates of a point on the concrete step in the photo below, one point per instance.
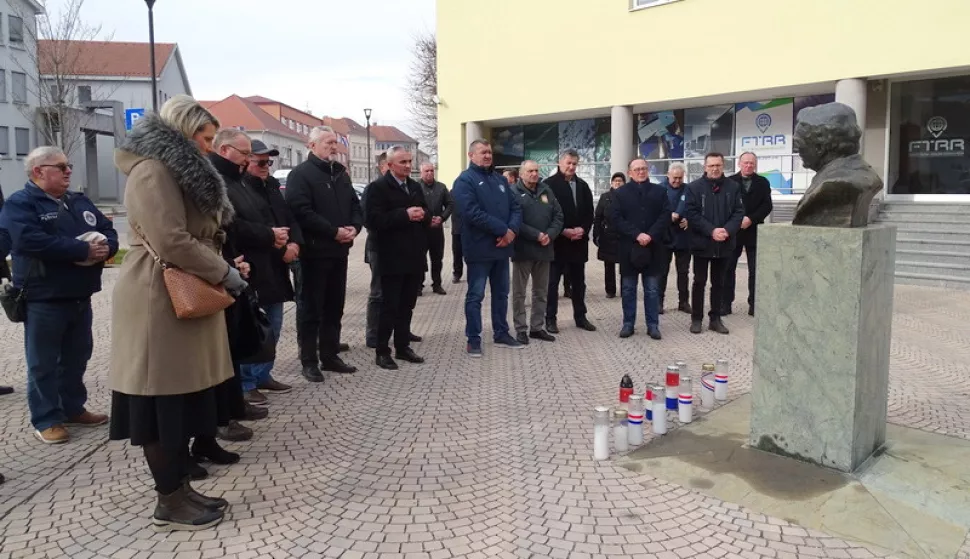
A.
x: 933, y: 257
x: 933, y: 268
x: 932, y: 280
x: 923, y: 217
x: 957, y: 244
x: 930, y: 234
x: 918, y: 208
x: 962, y: 228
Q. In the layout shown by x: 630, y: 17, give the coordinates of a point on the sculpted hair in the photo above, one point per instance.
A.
x: 569, y: 152
x: 40, y: 156
x: 316, y: 134
x: 227, y: 135
x: 476, y: 143
x: 186, y: 115
x: 634, y: 160
x: 751, y: 153
x: 713, y: 155
x: 678, y: 166
x: 393, y: 150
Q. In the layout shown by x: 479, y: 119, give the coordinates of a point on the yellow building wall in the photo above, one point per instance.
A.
x: 512, y: 58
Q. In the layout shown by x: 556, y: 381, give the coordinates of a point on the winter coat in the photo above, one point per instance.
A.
x: 44, y: 244
x: 605, y: 236
x: 541, y: 213
x: 575, y: 214
x: 677, y: 239
x: 488, y: 209
x: 177, y: 200
x: 322, y: 200
x: 440, y: 202
x: 399, y: 242
x: 707, y: 210
x: 757, y: 205
x: 640, y: 208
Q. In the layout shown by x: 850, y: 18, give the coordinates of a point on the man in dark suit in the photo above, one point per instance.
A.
x: 397, y: 216
x: 756, y: 197
x: 640, y: 212
x: 4, y: 274
x: 323, y: 200
x: 572, y: 245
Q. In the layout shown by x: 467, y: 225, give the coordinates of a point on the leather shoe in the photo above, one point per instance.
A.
x: 685, y: 307
x: 541, y: 335
x: 439, y: 290
x: 455, y: 279
x: 695, y: 326
x: 626, y: 332
x: 522, y: 338
x: 654, y: 333
x: 4, y: 390
x: 342, y: 348
x: 409, y: 356
x: 585, y: 325
x: 385, y: 362
x: 611, y: 295
x: 718, y: 326
x: 254, y: 413
x: 233, y: 432
x: 337, y: 365
x: 312, y: 373
x: 750, y: 310
x: 414, y: 338
x: 551, y: 326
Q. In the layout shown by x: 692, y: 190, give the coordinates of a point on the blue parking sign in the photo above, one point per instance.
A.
x: 132, y: 116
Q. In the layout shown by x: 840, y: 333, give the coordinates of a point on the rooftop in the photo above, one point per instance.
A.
x: 101, y: 58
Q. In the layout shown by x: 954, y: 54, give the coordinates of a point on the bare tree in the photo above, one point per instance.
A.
x: 422, y: 91
x: 53, y: 65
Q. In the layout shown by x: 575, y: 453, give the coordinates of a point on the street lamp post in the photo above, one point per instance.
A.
x: 370, y: 163
x: 151, y: 48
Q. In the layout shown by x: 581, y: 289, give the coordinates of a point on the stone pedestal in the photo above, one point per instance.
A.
x: 821, y: 362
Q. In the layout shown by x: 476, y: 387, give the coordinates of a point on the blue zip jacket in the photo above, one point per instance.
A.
x: 39, y: 232
x: 678, y: 239
x: 487, y: 208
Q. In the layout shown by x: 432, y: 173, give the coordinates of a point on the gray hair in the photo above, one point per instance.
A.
x: 186, y: 115
x: 391, y: 151
x: 677, y: 166
x: 227, y: 135
x: 426, y: 164
x: 40, y: 156
x: 568, y: 152
x: 316, y: 134
x: 751, y: 153
x: 478, y: 142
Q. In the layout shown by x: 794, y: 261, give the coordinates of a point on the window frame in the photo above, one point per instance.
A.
x: 5, y: 141
x: 10, y: 39
x: 13, y: 85
x: 17, y: 144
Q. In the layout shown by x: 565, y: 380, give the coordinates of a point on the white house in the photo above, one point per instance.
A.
x: 18, y: 91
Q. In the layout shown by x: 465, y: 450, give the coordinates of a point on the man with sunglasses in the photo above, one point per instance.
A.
x: 59, y: 241
x: 261, y: 210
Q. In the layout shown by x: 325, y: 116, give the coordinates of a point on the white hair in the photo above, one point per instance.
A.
x: 40, y: 156
x: 677, y: 166
x: 227, y: 135
x: 316, y: 134
x: 395, y: 149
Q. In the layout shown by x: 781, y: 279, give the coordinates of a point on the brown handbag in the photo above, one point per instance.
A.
x: 191, y: 296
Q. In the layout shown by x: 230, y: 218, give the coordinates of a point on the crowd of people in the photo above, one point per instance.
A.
x: 201, y: 201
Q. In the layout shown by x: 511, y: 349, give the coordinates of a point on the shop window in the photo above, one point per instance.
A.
x: 929, y: 131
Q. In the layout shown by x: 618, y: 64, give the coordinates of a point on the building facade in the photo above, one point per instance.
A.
x: 261, y: 124
x: 18, y: 90
x: 356, y: 143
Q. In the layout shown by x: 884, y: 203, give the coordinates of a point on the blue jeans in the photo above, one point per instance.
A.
x: 254, y: 375
x: 651, y: 300
x: 58, y: 343
x: 495, y: 272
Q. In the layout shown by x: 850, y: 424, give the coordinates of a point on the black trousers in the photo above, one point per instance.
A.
x: 747, y: 241
x: 701, y: 267
x: 400, y: 293
x: 576, y: 272
x: 458, y: 265
x: 682, y: 258
x: 322, y: 296
x: 609, y: 276
x: 436, y: 251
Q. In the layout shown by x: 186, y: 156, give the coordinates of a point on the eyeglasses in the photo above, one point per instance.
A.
x: 266, y: 163
x: 241, y: 152
x: 62, y: 166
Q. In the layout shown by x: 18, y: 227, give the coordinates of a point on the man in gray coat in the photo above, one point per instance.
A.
x: 542, y: 221
x: 441, y: 205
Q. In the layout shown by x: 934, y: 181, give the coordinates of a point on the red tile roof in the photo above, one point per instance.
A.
x: 235, y: 111
x: 390, y: 134
x: 101, y: 58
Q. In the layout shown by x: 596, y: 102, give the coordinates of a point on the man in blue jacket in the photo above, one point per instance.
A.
x: 59, y: 243
x: 490, y: 220
x: 678, y: 241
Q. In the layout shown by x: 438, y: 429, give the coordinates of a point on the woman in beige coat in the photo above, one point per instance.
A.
x: 164, y: 370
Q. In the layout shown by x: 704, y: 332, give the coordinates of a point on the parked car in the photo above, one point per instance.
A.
x: 359, y: 189
x: 280, y: 175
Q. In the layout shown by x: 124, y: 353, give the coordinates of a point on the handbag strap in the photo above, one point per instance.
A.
x: 149, y: 248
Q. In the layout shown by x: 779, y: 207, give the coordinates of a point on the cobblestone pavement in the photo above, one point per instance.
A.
x: 455, y: 458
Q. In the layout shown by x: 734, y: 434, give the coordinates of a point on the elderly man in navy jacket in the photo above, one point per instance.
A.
x: 640, y: 212
x: 59, y: 244
x: 490, y: 220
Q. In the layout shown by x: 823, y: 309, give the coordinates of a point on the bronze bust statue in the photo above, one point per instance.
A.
x: 827, y: 139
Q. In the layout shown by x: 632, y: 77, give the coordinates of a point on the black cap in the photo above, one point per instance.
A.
x: 259, y: 148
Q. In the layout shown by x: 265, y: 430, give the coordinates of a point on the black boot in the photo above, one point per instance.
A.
x: 718, y: 326
x: 208, y: 449
x: 210, y: 503
x: 178, y: 512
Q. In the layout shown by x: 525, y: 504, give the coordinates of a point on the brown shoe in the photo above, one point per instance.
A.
x: 53, y: 435
x: 275, y: 386
x: 255, y: 397
x: 88, y: 419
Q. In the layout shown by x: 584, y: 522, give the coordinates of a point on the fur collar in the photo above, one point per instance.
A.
x: 199, y: 180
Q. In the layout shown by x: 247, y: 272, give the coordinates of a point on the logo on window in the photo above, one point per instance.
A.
x: 936, y: 125
x: 763, y: 122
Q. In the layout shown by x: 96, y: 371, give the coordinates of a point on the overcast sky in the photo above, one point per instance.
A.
x: 334, y: 56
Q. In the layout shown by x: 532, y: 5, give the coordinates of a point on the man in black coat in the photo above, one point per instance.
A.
x: 714, y: 212
x: 441, y: 205
x: 262, y: 214
x: 4, y: 274
x: 398, y: 218
x: 640, y: 212
x: 756, y: 197
x: 572, y: 245
x: 323, y: 200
